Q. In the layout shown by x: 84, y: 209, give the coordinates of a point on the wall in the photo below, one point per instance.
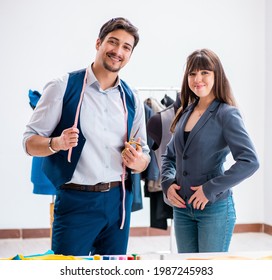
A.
x: 268, y: 115
x: 41, y: 40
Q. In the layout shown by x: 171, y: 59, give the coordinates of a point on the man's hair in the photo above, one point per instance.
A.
x: 119, y: 23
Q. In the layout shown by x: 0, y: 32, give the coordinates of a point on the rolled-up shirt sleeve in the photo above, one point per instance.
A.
x: 48, y: 111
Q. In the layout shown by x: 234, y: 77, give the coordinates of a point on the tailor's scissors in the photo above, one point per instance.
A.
x: 132, y: 140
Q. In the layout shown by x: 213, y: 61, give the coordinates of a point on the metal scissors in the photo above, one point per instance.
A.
x: 132, y: 140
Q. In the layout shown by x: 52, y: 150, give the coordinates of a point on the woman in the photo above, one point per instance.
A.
x: 206, y: 129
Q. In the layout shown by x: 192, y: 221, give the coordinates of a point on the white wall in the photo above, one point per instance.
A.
x: 268, y: 116
x: 44, y: 39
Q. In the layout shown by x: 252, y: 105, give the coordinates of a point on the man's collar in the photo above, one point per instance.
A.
x: 91, y: 79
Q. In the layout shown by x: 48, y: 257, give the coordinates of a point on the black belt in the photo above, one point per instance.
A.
x: 100, y: 187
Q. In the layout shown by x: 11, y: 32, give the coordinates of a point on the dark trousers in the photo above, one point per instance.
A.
x: 88, y: 223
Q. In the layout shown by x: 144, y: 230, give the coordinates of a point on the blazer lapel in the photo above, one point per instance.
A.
x: 199, y: 125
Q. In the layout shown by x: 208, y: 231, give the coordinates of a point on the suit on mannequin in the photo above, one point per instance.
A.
x: 158, y: 128
x: 154, y: 125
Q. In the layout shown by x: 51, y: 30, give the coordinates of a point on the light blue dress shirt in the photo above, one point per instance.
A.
x: 102, y: 120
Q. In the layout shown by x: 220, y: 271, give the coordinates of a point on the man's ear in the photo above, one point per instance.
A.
x: 98, y: 44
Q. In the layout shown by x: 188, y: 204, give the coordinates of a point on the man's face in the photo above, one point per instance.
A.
x: 115, y: 50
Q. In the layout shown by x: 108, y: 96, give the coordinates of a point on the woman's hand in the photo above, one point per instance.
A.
x: 198, y: 199
x: 174, y: 198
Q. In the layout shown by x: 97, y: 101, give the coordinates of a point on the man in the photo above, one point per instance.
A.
x: 81, y: 126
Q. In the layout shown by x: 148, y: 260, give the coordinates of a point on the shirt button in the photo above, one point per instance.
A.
x: 185, y: 173
x: 185, y: 157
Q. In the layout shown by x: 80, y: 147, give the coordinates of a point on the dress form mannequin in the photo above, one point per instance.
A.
x: 158, y: 129
x: 154, y: 125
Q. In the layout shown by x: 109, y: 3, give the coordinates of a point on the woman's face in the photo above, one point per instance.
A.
x: 201, y: 82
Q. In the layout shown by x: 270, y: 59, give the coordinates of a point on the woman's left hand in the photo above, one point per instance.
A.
x: 198, y: 199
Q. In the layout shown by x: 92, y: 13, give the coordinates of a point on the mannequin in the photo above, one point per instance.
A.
x: 154, y: 125
x: 167, y: 100
x: 158, y: 129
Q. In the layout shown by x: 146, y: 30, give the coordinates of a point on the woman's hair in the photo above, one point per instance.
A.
x: 204, y: 59
x: 119, y: 23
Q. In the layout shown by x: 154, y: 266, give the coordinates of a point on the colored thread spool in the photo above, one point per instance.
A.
x: 97, y: 257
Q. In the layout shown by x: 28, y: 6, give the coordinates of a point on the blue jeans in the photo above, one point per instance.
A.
x: 208, y: 230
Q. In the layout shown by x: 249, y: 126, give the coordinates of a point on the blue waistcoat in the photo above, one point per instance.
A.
x: 56, y: 166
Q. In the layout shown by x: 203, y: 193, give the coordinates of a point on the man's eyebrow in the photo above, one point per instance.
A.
x: 112, y: 37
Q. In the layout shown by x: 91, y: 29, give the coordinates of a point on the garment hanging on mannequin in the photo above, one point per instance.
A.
x: 167, y: 100
x: 154, y: 125
x: 158, y: 128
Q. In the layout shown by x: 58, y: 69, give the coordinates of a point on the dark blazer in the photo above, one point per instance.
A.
x: 200, y: 160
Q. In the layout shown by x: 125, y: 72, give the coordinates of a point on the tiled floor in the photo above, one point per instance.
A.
x: 241, y: 242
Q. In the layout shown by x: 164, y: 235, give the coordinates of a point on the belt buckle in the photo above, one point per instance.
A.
x: 109, y: 186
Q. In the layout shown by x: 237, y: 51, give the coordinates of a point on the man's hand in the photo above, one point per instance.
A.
x: 133, y: 156
x: 68, y: 139
x: 37, y: 145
